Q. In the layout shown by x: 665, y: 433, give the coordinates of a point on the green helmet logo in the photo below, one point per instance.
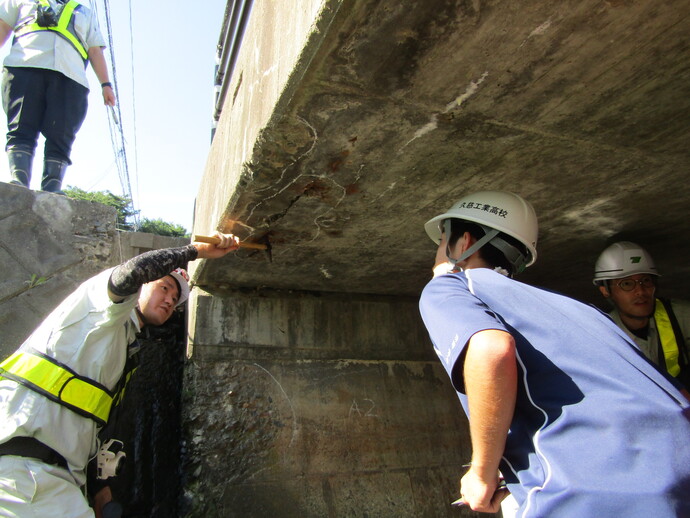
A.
x: 622, y: 259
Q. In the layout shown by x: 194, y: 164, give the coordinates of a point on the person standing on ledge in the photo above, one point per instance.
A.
x: 44, y: 84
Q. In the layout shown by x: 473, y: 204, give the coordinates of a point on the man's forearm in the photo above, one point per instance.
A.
x: 5, y: 31
x: 490, y: 373
x: 98, y: 63
x: 127, y: 278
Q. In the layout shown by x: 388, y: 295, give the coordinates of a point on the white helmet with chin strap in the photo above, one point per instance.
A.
x: 496, y: 212
x: 623, y: 259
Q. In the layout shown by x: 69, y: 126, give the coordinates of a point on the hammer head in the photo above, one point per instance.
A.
x: 264, y: 240
x: 262, y: 243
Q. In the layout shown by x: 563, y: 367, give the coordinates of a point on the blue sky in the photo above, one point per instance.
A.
x: 166, y: 100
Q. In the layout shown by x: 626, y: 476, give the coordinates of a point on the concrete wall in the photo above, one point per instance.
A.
x: 317, y: 405
x: 48, y: 245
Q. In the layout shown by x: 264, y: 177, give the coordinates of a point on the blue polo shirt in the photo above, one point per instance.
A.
x: 598, y: 430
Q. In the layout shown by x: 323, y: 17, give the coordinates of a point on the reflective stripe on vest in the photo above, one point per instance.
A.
x: 62, y: 28
x: 59, y: 383
x: 668, y: 339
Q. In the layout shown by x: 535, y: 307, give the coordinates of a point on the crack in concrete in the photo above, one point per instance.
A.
x: 315, y: 138
x: 318, y: 220
x: 540, y: 30
x: 565, y: 138
x: 342, y: 197
x: 386, y: 190
x: 13, y: 256
x: 455, y: 103
x: 292, y: 408
x: 24, y: 290
x: 10, y: 214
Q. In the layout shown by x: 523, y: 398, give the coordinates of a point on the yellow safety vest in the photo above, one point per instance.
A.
x: 668, y: 339
x: 59, y: 383
x: 62, y: 28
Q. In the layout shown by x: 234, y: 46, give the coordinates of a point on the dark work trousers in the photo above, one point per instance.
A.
x: 37, y: 100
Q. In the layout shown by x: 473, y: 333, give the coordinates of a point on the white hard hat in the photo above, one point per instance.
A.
x: 182, y: 278
x: 623, y: 259
x: 503, y: 211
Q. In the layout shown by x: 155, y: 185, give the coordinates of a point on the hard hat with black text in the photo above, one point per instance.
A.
x: 498, y: 213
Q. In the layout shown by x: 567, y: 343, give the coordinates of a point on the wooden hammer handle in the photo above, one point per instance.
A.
x: 213, y: 240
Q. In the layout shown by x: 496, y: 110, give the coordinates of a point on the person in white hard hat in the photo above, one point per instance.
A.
x: 627, y: 277
x: 58, y: 388
x: 563, y: 409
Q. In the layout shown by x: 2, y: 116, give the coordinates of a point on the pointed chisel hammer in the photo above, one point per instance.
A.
x: 243, y: 244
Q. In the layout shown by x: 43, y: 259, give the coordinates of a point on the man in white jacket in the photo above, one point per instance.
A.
x: 57, y: 389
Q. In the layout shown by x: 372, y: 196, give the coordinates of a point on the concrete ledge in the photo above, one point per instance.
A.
x: 135, y: 243
x: 271, y: 324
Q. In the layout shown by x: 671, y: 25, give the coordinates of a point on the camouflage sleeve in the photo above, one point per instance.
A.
x: 131, y: 275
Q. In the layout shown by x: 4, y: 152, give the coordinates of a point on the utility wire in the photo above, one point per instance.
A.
x: 117, y: 138
x: 134, y: 105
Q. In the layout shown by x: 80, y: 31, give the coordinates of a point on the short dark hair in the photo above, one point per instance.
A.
x: 489, y: 253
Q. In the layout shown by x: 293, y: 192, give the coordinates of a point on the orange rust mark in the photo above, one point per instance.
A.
x: 335, y: 163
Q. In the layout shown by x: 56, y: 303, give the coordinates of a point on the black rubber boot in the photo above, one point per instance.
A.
x: 20, y: 167
x: 53, y: 173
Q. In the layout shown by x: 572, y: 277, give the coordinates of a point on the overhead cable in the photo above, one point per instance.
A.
x: 117, y: 137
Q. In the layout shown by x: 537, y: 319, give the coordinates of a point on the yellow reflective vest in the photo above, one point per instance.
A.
x: 667, y: 336
x: 64, y: 27
x: 59, y: 383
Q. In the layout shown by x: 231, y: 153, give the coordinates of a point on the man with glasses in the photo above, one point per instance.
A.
x: 626, y: 276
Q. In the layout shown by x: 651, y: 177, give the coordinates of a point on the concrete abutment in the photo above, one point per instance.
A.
x: 314, y: 405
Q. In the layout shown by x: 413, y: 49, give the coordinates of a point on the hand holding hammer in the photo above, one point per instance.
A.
x: 216, y: 240
x: 213, y: 247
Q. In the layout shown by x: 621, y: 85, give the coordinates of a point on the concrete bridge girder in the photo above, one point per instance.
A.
x: 392, y: 111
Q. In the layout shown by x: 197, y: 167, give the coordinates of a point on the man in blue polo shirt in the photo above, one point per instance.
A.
x: 577, y: 420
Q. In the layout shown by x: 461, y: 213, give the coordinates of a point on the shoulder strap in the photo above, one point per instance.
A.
x: 680, y: 339
x: 64, y: 28
x: 131, y: 366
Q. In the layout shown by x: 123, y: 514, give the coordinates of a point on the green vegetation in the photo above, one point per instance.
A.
x: 162, y: 228
x: 35, y: 280
x: 125, y: 213
x: 123, y: 204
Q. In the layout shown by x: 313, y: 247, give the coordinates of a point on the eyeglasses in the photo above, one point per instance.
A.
x: 631, y: 284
